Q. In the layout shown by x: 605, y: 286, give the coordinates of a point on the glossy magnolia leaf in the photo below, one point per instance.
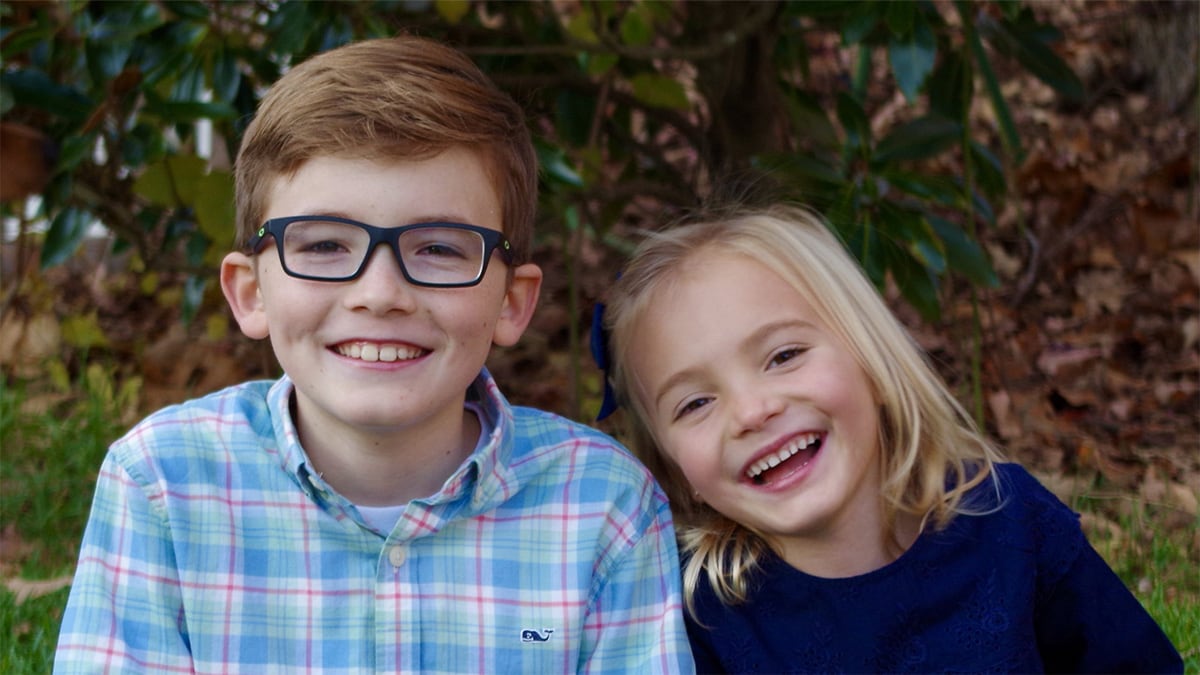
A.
x: 910, y: 230
x: 188, y: 111
x: 64, y: 236
x: 949, y: 86
x: 1008, y: 129
x: 811, y: 120
x: 921, y: 138
x: 33, y: 88
x: 900, y: 16
x: 1022, y: 40
x: 912, y: 56
x: 937, y: 189
x: 916, y: 283
x: 659, y: 91
x: 854, y: 123
x: 989, y: 172
x: 964, y: 254
x: 556, y: 168
x: 226, y: 76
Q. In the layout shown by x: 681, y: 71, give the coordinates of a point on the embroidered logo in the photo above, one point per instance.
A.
x: 534, y: 636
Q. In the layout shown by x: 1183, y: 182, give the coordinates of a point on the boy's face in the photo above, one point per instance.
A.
x: 377, y: 355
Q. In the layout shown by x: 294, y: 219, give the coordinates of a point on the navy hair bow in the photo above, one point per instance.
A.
x: 602, y: 356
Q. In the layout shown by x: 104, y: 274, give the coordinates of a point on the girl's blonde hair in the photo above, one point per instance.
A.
x: 932, y: 453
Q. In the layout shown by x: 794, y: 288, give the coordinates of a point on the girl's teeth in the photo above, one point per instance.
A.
x: 755, y: 472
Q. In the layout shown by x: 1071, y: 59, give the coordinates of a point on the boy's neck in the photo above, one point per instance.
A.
x: 374, y: 470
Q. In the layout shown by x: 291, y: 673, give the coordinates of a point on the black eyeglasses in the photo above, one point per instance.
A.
x: 327, y: 248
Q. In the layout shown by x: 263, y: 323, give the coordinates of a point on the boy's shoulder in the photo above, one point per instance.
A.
x: 546, y: 444
x: 241, y: 412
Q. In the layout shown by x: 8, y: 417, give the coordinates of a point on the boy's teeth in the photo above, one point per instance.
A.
x: 373, y: 352
x: 780, y: 456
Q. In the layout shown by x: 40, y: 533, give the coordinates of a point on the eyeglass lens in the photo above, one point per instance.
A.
x: 433, y: 255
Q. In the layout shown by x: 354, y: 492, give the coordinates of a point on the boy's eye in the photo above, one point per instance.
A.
x: 327, y: 246
x: 439, y: 250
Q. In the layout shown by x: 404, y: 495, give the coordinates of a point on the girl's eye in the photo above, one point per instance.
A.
x: 784, y: 355
x: 691, y: 407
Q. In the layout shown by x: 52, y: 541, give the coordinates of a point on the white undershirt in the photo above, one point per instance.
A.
x: 384, y: 518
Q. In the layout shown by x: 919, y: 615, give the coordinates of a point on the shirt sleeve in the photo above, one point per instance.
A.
x: 1087, y: 619
x: 125, y: 612
x: 635, y: 624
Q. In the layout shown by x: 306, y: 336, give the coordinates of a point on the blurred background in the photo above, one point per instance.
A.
x: 1019, y: 179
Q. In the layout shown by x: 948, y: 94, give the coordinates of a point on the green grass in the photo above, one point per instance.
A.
x: 1155, y: 549
x: 53, y: 438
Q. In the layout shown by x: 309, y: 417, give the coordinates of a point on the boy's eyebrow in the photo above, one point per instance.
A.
x: 431, y: 218
x: 760, y: 335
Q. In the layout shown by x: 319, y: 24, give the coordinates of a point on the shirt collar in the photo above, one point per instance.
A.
x: 485, y: 475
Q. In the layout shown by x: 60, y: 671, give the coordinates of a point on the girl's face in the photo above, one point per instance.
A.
x: 764, y: 409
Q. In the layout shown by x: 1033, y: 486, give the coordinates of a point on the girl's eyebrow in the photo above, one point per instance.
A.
x: 757, y: 337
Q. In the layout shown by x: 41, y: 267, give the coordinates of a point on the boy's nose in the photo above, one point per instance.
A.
x: 381, y: 287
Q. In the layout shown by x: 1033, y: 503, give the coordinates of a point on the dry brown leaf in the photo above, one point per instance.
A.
x: 26, y: 589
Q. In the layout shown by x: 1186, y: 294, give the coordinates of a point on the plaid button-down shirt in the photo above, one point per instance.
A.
x: 212, y: 548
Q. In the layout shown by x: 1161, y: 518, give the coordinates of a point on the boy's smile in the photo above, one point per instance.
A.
x: 380, y: 364
x: 763, y: 408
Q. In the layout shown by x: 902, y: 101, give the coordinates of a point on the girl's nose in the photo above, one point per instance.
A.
x: 752, y: 407
x: 381, y: 287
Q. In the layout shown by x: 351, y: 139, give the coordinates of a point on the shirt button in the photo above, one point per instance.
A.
x: 397, y: 555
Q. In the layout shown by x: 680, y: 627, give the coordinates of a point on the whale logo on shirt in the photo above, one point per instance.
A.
x: 534, y: 636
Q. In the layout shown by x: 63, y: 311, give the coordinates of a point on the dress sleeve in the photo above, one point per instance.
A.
x: 635, y: 622
x: 1087, y: 620
x: 125, y: 612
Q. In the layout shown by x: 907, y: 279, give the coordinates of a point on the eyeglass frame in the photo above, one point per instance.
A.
x: 493, y: 241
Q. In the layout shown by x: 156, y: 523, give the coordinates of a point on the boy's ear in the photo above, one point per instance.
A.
x: 519, y: 302
x: 239, y: 283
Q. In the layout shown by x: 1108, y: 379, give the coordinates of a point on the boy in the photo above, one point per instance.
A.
x: 381, y: 507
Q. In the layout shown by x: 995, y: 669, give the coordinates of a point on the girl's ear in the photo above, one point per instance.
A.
x: 239, y: 283
x: 519, y: 302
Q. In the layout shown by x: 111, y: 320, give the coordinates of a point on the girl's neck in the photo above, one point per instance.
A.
x: 852, y: 555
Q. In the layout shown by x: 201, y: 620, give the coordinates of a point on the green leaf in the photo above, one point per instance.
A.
x: 854, y: 123
x: 989, y: 172
x: 949, y: 87
x: 556, y: 168
x: 172, y: 182
x: 937, y: 189
x: 964, y: 254
x: 214, y: 207
x: 452, y: 10
x: 636, y: 28
x: 921, y: 138
x: 811, y: 120
x: 580, y: 28
x: 916, y: 283
x: 659, y: 91
x: 1021, y: 40
x: 84, y: 332
x: 63, y: 238
x: 912, y: 57
x: 1008, y: 129
x: 173, y: 112
x: 900, y: 16
x: 34, y: 88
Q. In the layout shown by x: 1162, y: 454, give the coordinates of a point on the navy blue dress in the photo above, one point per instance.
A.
x: 1017, y: 590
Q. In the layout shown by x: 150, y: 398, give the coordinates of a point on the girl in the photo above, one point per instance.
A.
x: 837, y: 509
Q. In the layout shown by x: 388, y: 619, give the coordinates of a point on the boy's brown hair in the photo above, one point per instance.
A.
x: 391, y: 98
